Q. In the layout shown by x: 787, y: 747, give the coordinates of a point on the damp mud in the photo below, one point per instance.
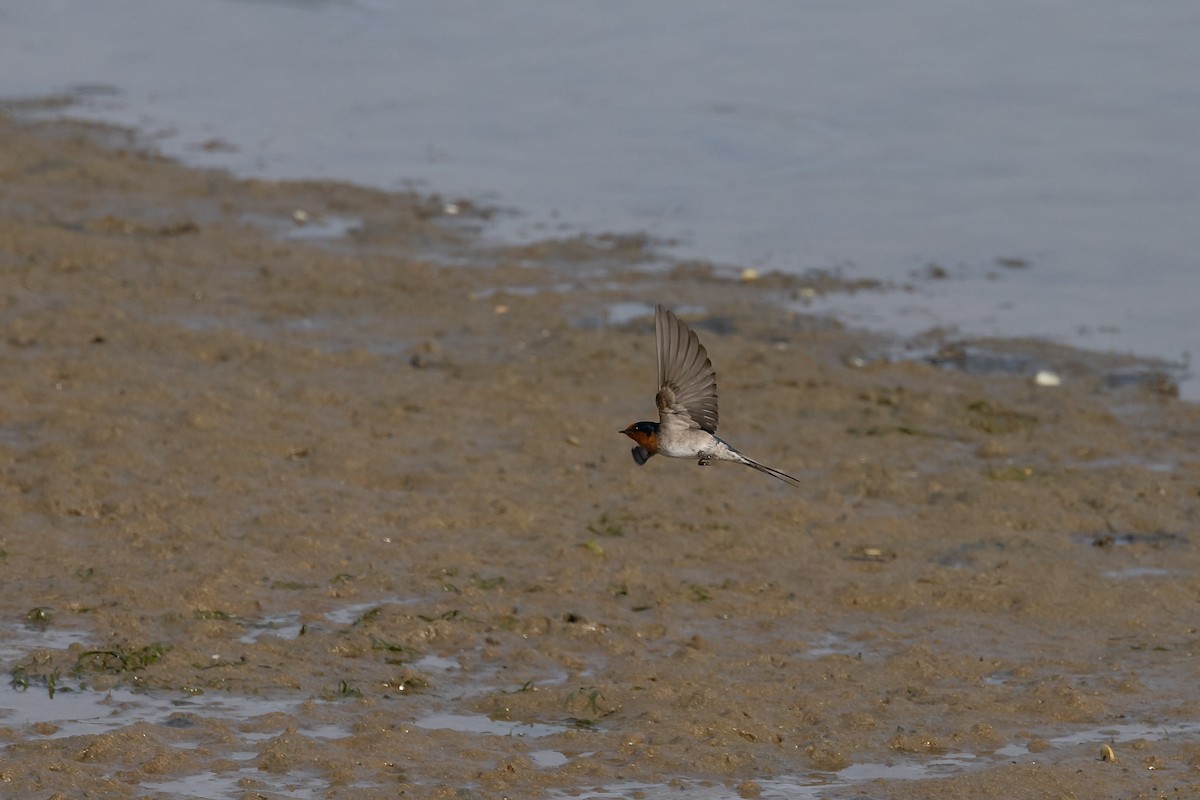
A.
x: 307, y: 492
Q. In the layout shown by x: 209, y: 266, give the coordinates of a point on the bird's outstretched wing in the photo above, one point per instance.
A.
x: 687, y: 385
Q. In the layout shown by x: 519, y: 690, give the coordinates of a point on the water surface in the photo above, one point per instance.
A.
x: 873, y: 137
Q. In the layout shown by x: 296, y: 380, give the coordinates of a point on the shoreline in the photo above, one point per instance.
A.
x: 345, y: 498
x: 801, y: 292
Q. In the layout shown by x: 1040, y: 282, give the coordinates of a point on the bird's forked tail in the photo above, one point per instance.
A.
x: 774, y: 473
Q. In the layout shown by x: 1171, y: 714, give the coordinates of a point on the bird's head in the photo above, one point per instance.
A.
x: 644, y: 433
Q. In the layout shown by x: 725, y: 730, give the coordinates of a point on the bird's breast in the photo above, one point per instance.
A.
x: 687, y: 443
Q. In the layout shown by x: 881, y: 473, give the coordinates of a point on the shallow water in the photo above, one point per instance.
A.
x: 870, y: 137
x: 78, y: 712
x: 87, y: 713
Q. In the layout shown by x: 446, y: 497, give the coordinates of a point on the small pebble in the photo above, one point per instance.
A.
x: 1045, y: 377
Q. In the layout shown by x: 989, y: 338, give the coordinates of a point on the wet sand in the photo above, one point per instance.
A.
x: 284, y: 515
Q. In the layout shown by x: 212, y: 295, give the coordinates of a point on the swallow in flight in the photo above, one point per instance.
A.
x: 687, y: 403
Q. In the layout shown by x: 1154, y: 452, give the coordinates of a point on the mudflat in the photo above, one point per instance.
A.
x: 308, y: 491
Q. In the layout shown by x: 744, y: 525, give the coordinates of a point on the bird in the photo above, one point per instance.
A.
x: 687, y: 403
